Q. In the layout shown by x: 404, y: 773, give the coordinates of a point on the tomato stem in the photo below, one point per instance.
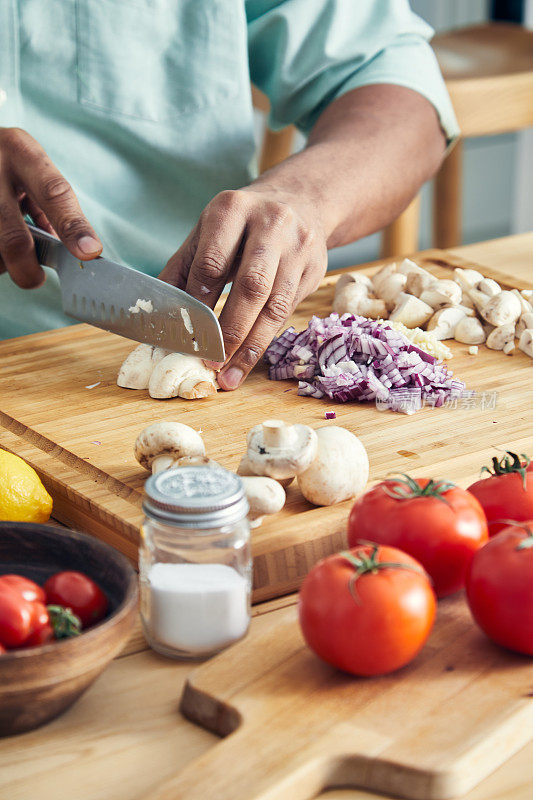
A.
x: 506, y: 466
x: 367, y: 563
x: 64, y: 622
x: 408, y: 488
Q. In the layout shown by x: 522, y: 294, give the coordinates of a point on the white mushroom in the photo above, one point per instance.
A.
x: 245, y: 469
x: 137, y: 367
x: 469, y: 330
x: 416, y: 282
x: 382, y: 275
x: 390, y: 288
x: 525, y: 305
x: 411, y: 311
x: 353, y: 277
x: 264, y: 495
x: 339, y: 470
x: 443, y: 323
x: 159, y: 445
x: 180, y: 375
x: 467, y: 278
x: 525, y: 343
x: 489, y: 287
x: 442, y: 293
x: 525, y: 321
x: 280, y: 451
x: 352, y: 299
x: 408, y: 266
x: 501, y: 337
x: 502, y: 309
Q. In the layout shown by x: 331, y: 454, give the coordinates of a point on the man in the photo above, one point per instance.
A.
x: 144, y: 108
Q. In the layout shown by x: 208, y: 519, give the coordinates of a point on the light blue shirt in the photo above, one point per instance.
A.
x: 145, y: 105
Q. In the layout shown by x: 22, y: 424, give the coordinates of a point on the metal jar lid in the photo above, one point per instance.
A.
x: 196, y: 497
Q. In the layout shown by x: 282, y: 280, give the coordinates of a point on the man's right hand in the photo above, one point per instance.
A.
x: 31, y: 184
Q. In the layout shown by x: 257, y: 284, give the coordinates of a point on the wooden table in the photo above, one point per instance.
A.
x: 126, y: 735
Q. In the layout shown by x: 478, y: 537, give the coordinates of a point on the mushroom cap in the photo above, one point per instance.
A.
x: 167, y: 438
x: 136, y: 368
x: 500, y: 337
x: 264, y: 495
x: 502, y: 309
x: 340, y: 469
x: 280, y: 451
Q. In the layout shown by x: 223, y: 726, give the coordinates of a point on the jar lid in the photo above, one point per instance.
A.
x: 196, y: 496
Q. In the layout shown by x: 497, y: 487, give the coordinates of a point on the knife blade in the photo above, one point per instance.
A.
x: 122, y: 300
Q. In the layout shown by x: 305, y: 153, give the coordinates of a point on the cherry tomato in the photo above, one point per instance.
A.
x: 436, y: 522
x: 42, y: 635
x: 507, y: 494
x: 28, y: 589
x: 368, y: 610
x: 16, y: 617
x: 78, y: 592
x: 499, y: 588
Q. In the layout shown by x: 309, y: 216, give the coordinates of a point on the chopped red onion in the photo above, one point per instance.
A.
x: 354, y: 358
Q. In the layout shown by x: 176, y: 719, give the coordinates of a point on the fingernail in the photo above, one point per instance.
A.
x: 89, y: 245
x: 216, y: 365
x: 231, y: 378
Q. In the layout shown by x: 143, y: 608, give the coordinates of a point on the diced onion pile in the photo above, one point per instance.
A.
x: 355, y: 358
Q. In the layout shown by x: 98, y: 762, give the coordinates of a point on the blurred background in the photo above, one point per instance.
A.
x: 497, y: 170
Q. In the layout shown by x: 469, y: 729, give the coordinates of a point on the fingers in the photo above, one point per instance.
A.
x: 277, y: 307
x: 28, y: 206
x: 17, y: 250
x: 30, y: 167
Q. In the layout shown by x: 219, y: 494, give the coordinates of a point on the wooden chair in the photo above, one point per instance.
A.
x: 277, y: 145
x: 488, y: 70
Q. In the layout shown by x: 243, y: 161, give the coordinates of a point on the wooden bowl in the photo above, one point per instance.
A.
x: 39, y: 683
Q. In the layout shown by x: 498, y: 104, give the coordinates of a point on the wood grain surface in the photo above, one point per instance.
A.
x: 80, y: 439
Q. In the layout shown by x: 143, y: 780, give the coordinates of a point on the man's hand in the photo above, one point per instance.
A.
x: 271, y: 245
x: 31, y: 184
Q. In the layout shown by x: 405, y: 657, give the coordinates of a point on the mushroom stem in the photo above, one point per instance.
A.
x: 277, y: 433
x: 161, y: 463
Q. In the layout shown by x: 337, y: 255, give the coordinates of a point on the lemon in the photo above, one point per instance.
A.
x: 23, y: 498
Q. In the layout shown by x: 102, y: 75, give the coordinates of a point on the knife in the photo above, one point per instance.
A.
x: 122, y: 300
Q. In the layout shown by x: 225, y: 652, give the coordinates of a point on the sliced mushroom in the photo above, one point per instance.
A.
x: 353, y: 277
x: 442, y: 293
x: 469, y: 330
x: 411, y: 311
x: 137, y: 367
x: 280, y: 451
x: 382, y: 275
x: 467, y: 278
x: 159, y: 445
x: 390, y: 288
x: 339, y: 470
x: 184, y: 376
x: 264, y: 495
x: 353, y: 299
x: 443, y: 323
x: 501, y: 337
x: 416, y: 282
x: 407, y: 266
x: 503, y: 309
x: 525, y: 321
x: 489, y: 287
x: 525, y: 305
x: 525, y: 343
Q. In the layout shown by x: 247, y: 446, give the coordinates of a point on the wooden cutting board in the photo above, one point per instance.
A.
x: 296, y: 726
x: 61, y: 410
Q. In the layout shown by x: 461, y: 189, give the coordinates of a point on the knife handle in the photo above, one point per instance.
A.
x: 46, y: 246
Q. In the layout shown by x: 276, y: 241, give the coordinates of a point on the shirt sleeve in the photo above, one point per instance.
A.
x: 303, y: 54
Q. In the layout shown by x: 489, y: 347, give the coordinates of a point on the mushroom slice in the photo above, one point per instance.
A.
x: 382, y: 275
x: 525, y: 305
x: 264, y: 495
x: 390, y: 288
x: 442, y: 293
x: 443, y: 323
x: 280, y: 451
x: 469, y: 330
x: 501, y: 337
x: 411, y: 311
x: 339, y: 470
x: 417, y: 282
x: 502, y: 309
x: 353, y: 277
x: 525, y: 343
x: 408, y: 266
x: 525, y: 321
x: 353, y: 299
x: 467, y: 278
x: 489, y: 287
x: 137, y: 367
x: 159, y: 445
x: 180, y: 375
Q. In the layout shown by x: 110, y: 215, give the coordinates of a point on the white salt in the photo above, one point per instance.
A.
x: 197, y: 608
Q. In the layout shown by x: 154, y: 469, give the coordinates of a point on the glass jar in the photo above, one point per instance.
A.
x: 195, y: 561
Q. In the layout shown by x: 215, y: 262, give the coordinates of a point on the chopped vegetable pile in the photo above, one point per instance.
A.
x: 355, y: 358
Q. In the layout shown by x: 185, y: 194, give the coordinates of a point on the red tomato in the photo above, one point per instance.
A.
x: 499, y: 588
x: 28, y: 589
x: 78, y: 592
x: 16, y: 617
x: 436, y: 522
x: 367, y: 611
x: 508, y: 493
x: 42, y: 635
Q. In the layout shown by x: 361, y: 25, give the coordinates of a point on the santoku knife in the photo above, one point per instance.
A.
x: 122, y: 300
